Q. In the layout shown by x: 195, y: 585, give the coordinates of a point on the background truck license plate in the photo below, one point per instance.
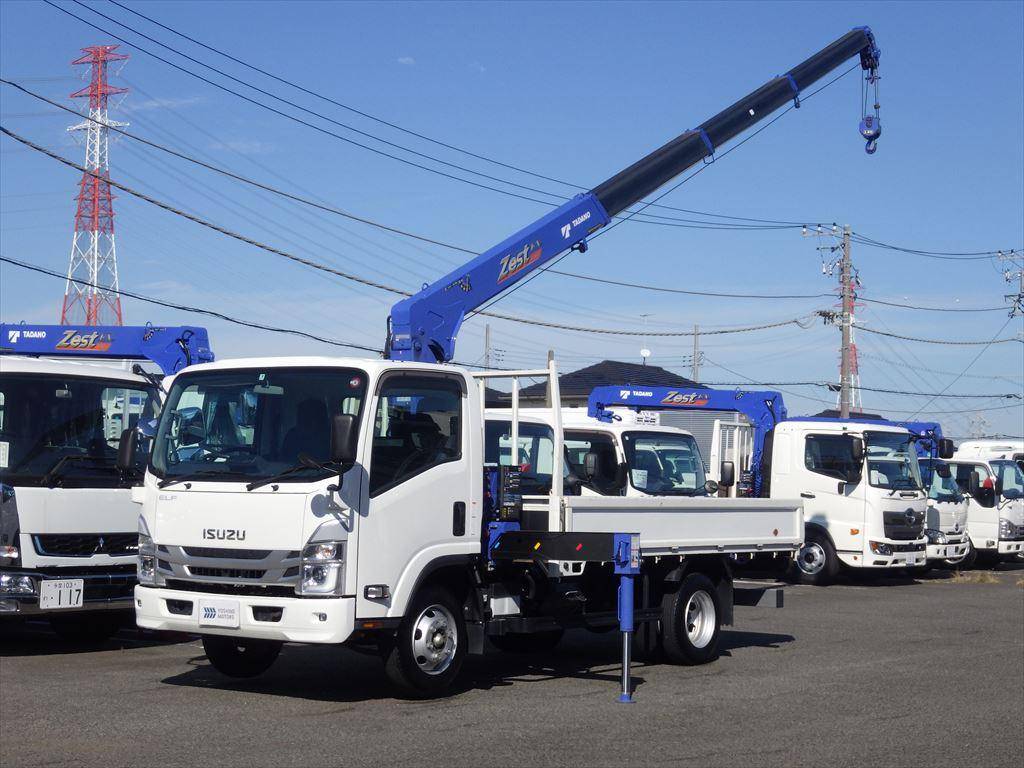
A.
x: 60, y: 593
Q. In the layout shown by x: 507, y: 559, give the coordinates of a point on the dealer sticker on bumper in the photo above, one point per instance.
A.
x: 218, y: 613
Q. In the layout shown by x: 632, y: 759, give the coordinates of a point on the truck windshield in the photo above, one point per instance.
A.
x: 247, y: 424
x: 892, y: 461
x: 64, y: 430
x: 664, y: 464
x: 939, y: 488
x: 1009, y: 472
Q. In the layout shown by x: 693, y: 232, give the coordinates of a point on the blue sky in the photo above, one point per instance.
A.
x: 575, y: 91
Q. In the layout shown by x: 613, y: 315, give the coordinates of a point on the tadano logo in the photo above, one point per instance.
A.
x: 13, y: 336
x: 567, y: 228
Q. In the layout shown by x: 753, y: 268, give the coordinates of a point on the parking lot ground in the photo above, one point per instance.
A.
x: 879, y: 671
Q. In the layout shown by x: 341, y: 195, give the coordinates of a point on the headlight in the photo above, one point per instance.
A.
x: 323, y: 568
x: 935, y: 537
x: 13, y: 584
x: 1007, y: 530
x: 880, y: 548
x: 146, y: 570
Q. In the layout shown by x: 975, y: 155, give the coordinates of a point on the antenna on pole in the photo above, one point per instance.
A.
x: 94, y: 299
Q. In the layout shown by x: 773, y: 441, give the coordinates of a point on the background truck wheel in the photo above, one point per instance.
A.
x: 691, y: 621
x: 532, y: 642
x: 241, y: 657
x: 430, y: 645
x: 87, y: 628
x: 816, y: 562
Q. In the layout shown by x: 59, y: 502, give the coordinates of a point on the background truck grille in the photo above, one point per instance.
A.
x: 232, y: 554
x: 86, y: 544
x: 226, y: 573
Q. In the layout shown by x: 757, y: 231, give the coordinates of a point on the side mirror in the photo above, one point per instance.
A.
x: 344, y: 437
x: 974, y: 484
x: 857, y: 449
x: 946, y: 449
x: 711, y: 486
x: 943, y: 471
x: 126, y: 450
x: 591, y: 464
x: 727, y: 475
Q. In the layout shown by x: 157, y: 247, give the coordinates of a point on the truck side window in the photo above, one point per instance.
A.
x: 830, y: 455
x: 418, y: 425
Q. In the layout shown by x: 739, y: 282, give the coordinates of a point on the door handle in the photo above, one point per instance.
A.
x: 806, y: 495
x: 459, y: 518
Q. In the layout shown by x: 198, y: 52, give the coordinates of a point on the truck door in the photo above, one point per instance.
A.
x: 829, y: 501
x: 418, y: 499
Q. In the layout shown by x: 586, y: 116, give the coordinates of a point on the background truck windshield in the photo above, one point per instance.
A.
x: 939, y: 488
x: 1012, y: 477
x: 663, y: 463
x: 892, y: 461
x: 535, y: 455
x: 64, y: 430
x: 248, y: 424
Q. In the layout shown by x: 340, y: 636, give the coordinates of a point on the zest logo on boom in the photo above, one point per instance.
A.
x: 685, y: 398
x: 95, y: 341
x: 516, y: 262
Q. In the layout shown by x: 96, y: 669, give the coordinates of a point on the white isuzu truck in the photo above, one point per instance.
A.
x: 349, y: 503
x: 68, y: 529
x: 993, y: 483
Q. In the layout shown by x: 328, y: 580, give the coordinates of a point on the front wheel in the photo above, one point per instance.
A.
x: 430, y: 645
x: 816, y: 563
x: 240, y: 657
x: 691, y: 621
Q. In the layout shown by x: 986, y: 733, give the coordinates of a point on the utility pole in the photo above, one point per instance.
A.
x: 846, y: 287
x: 487, y: 347
x: 695, y: 365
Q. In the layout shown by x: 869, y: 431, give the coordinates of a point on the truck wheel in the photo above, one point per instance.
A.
x: 86, y: 628
x: 691, y: 621
x: 240, y: 657
x: 532, y: 642
x: 430, y: 645
x: 816, y: 563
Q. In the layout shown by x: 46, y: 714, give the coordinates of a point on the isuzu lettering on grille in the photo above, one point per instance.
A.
x: 224, y: 534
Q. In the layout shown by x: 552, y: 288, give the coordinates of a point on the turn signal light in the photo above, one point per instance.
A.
x: 854, y: 531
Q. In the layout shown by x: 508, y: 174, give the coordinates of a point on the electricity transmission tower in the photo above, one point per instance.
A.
x: 93, y: 299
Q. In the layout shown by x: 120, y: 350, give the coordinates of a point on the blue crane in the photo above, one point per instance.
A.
x: 424, y: 326
x: 171, y: 348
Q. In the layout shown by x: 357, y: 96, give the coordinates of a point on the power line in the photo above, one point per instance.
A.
x: 941, y: 341
x: 930, y: 309
x: 902, y: 364
x: 948, y: 255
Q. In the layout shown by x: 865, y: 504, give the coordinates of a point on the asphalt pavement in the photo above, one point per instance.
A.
x: 870, y: 672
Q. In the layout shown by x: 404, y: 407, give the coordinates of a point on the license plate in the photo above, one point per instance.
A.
x: 218, y: 613
x: 910, y: 558
x: 60, y: 593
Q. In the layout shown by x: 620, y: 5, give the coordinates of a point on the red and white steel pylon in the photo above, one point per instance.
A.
x: 94, y: 300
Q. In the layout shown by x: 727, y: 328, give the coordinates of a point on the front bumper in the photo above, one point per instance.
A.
x: 301, y: 620
x: 953, y: 549
x: 905, y: 554
x: 104, y: 590
x: 1010, y: 547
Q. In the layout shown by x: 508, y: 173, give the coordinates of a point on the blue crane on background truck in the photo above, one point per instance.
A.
x: 424, y: 326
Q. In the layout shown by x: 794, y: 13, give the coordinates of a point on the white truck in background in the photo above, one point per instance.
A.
x: 949, y: 542
x: 68, y: 529
x: 991, y: 478
x: 353, y: 505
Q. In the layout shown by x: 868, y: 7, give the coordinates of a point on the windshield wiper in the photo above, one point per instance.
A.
x: 305, y: 462
x: 193, y: 476
x: 54, y: 472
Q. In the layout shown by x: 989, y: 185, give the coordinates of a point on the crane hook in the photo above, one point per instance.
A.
x: 871, y: 129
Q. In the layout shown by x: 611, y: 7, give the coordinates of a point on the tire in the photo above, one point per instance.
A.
x: 691, y: 621
x: 816, y: 562
x: 240, y: 657
x: 533, y: 642
x: 87, y: 628
x: 429, y: 646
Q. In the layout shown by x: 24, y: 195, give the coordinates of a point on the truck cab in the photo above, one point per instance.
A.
x: 994, y: 489
x: 864, y: 502
x: 949, y: 543
x: 68, y: 529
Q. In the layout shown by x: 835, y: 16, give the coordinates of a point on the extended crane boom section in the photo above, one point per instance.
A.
x: 170, y: 348
x: 425, y: 326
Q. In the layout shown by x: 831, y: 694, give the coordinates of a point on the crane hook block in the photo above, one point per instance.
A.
x: 871, y: 129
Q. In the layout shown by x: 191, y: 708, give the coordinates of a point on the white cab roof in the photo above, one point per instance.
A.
x: 576, y: 418
x: 105, y: 369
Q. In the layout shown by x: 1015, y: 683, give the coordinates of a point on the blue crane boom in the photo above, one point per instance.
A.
x: 424, y: 326
x: 171, y: 348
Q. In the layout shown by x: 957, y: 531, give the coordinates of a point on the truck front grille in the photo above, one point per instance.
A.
x: 222, y: 565
x: 226, y: 573
x: 898, y: 526
x: 246, y: 590
x: 86, y: 544
x: 232, y: 554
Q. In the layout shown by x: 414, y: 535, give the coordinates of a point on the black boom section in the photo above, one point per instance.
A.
x: 544, y: 545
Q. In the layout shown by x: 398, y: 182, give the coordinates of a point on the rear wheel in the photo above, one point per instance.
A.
x: 430, y: 645
x: 691, y: 621
x: 240, y: 657
x: 532, y: 642
x: 88, y: 628
x: 816, y: 562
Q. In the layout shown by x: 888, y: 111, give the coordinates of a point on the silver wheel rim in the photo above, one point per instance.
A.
x: 811, y: 558
x: 700, y: 619
x: 434, y: 640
